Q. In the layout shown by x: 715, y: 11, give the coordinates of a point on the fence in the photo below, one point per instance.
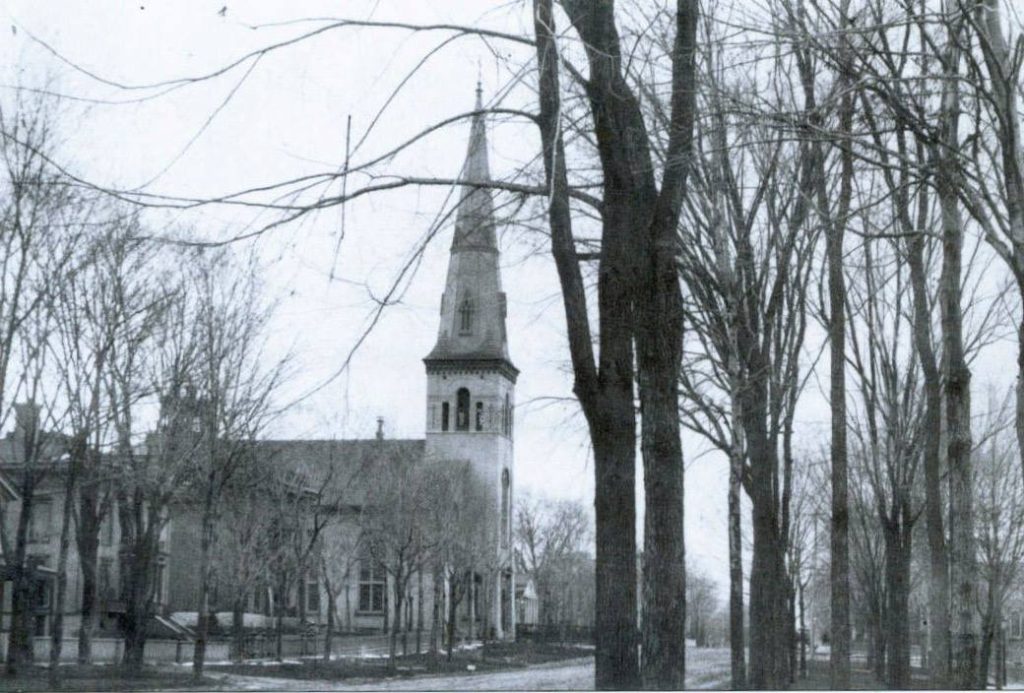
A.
x: 262, y: 645
x: 110, y: 650
x: 258, y: 646
x: 553, y: 632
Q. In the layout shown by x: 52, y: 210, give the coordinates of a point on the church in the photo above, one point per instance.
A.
x: 469, y: 418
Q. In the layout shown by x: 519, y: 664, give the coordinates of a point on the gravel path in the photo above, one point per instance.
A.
x: 706, y: 669
x: 557, y: 676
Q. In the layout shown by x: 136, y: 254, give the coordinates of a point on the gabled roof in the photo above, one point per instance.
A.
x: 351, y: 462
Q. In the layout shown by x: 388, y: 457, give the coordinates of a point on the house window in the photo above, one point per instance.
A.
x: 158, y: 583
x: 466, y: 316
x: 1015, y: 624
x: 39, y: 529
x: 107, y: 530
x: 479, y: 416
x: 106, y: 581
x: 371, y: 586
x: 312, y: 595
x: 444, y: 416
x: 462, y: 410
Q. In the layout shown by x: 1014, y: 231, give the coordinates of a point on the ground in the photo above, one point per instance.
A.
x: 706, y: 669
x: 556, y: 676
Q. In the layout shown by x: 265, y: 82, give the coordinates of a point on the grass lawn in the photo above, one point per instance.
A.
x: 861, y: 678
x: 489, y: 657
x: 100, y: 677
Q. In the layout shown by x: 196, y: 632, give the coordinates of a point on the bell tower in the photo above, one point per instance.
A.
x: 470, y: 376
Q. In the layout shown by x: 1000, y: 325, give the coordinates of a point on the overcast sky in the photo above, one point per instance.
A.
x: 286, y: 117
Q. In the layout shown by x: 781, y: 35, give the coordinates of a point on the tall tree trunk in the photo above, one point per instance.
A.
x: 471, y: 607
x: 803, y: 632
x: 279, y: 604
x: 769, y: 612
x: 957, y: 389
x: 238, y: 626
x: 605, y: 393
x: 399, y: 589
x: 879, y: 643
x: 965, y: 626
x: 659, y: 349
x: 988, y: 631
x: 839, y: 581
x: 792, y: 634
x: 136, y: 609
x: 19, y: 640
x: 737, y: 648
x: 938, y: 576
x: 659, y: 352
x: 87, y: 541
x: 419, y: 610
x: 897, y: 612
x: 203, y: 620
x: 329, y: 632
x: 452, y: 604
x: 60, y: 598
x: 435, y: 619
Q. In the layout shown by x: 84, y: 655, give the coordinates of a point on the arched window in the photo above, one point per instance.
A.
x: 506, y: 417
x: 462, y: 410
x: 444, y: 416
x: 466, y: 316
x: 479, y: 416
x: 505, y: 502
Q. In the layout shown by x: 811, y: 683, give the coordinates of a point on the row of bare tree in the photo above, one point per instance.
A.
x: 139, y: 376
x: 889, y: 129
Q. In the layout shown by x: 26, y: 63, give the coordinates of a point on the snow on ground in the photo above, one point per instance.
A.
x: 558, y: 676
x: 706, y: 669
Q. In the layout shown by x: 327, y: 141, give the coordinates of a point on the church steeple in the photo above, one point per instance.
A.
x: 470, y: 413
x: 474, y: 220
x: 473, y: 304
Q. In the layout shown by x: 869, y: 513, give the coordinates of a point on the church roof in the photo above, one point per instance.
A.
x: 350, y: 462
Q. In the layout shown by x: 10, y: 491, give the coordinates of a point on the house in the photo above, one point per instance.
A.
x: 526, y: 601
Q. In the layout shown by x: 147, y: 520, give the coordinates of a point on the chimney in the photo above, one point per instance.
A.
x: 380, y: 428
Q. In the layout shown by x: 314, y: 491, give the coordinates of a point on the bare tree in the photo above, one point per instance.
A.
x: 461, y: 547
x: 999, y: 500
x: 244, y: 537
x: 548, y: 534
x: 746, y: 263
x: 639, y: 225
x: 38, y: 238
x: 153, y: 357
x: 701, y: 602
x: 234, y: 390
x: 91, y: 305
x: 888, y: 430
x: 394, y: 530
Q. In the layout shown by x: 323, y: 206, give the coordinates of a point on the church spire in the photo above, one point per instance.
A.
x: 473, y: 305
x: 474, y: 220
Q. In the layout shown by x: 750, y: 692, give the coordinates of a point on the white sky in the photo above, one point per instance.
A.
x: 288, y: 118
